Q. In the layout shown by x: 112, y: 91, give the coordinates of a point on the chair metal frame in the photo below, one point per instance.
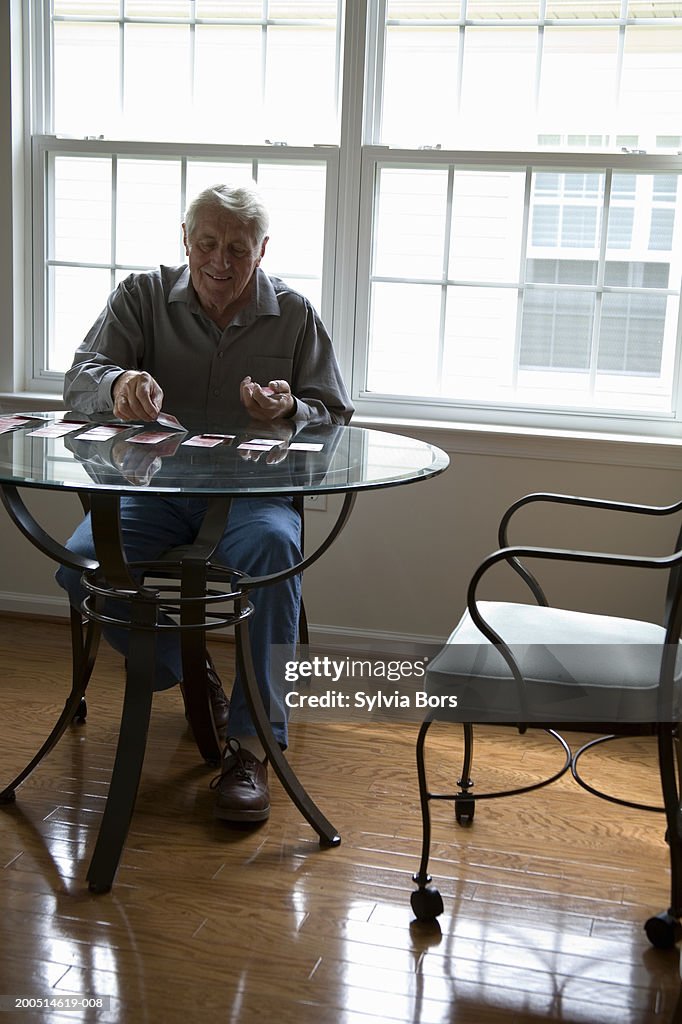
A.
x: 664, y: 929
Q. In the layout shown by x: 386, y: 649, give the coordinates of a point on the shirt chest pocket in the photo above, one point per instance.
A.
x: 263, y: 369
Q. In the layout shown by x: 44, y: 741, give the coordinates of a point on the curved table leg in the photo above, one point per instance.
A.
x: 283, y: 770
x: 132, y: 741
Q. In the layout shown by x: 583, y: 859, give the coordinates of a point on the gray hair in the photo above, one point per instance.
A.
x: 242, y: 201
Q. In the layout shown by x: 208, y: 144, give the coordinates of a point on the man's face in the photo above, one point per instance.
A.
x: 223, y: 255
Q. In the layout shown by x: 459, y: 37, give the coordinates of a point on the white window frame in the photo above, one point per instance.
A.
x: 478, y: 412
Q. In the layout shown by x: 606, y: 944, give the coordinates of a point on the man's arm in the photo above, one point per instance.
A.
x: 107, y: 366
x: 317, y: 385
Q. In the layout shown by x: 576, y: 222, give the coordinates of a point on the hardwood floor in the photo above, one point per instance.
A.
x: 545, y: 894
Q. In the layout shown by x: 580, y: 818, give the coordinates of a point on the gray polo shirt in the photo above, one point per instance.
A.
x: 153, y: 321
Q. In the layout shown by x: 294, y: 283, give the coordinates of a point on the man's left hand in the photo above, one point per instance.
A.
x: 266, y: 404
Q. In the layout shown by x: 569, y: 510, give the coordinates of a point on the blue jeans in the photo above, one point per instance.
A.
x: 263, y: 536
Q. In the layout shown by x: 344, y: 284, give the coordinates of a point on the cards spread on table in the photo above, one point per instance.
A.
x: 57, y: 429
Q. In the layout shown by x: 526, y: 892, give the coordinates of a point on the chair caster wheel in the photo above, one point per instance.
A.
x: 426, y: 903
x: 8, y: 796
x: 663, y: 931
x: 81, y: 713
x: 464, y: 811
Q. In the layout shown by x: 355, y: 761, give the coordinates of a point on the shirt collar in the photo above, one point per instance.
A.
x: 263, y: 299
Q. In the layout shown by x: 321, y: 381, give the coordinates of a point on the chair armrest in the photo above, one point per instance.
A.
x: 575, y: 500
x: 583, y: 502
x: 512, y: 554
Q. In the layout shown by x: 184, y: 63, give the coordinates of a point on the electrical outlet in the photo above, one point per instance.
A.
x: 316, y: 501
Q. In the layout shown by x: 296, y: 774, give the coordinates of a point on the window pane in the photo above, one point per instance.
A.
x: 480, y: 328
x: 631, y: 333
x: 76, y: 296
x: 662, y: 227
x: 314, y: 9
x: 299, y: 84
x: 82, y: 209
x: 85, y: 8
x: 588, y: 103
x: 420, y: 64
x: 295, y: 198
x: 572, y: 219
x: 220, y: 113
x: 229, y: 9
x: 157, y: 81
x: 651, y: 86
x: 158, y: 8
x: 571, y: 9
x: 498, y: 87
x: 556, y: 329
x: 404, y: 359
x: 203, y: 174
x: 148, y: 213
x: 86, y: 53
x: 654, y: 9
x: 410, y: 224
x: 487, y: 222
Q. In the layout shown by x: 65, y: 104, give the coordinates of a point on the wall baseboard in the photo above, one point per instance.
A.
x: 340, y: 638
x: 39, y: 606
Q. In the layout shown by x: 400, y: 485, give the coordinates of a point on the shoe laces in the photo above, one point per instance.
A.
x: 240, y: 768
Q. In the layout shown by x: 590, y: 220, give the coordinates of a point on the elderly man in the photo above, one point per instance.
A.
x: 222, y: 339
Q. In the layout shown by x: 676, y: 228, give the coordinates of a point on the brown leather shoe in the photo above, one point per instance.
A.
x: 220, y: 702
x: 242, y: 792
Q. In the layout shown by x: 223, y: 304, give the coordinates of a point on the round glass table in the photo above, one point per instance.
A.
x: 103, y: 459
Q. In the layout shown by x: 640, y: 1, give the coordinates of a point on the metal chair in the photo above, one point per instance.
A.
x: 536, y: 666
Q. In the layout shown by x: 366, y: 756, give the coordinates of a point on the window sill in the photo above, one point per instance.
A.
x: 457, y: 438
x: 30, y: 401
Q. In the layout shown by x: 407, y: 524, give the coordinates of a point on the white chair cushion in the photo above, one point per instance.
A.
x: 578, y: 667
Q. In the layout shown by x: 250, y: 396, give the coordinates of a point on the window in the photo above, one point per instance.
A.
x: 482, y: 197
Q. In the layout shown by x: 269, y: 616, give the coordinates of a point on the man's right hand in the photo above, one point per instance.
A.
x: 136, y: 396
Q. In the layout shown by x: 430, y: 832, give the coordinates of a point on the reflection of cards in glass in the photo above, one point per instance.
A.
x: 100, y: 433
x: 150, y: 437
x: 203, y: 441
x: 305, y: 446
x: 55, y: 430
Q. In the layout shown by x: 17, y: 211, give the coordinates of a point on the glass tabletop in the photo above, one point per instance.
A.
x: 63, y: 450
